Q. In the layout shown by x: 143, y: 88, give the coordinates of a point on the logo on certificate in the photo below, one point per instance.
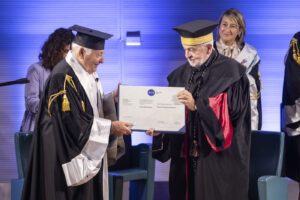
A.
x: 151, y: 92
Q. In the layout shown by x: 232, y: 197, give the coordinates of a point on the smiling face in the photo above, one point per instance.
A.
x: 228, y: 30
x: 91, y: 61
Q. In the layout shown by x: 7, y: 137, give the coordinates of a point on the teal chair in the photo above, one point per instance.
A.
x: 22, y: 147
x: 266, y: 160
x: 136, y: 166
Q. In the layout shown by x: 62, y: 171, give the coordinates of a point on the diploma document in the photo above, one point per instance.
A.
x: 152, y: 107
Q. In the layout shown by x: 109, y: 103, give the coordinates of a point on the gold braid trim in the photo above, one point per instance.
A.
x: 52, y: 97
x: 258, y: 73
x: 296, y: 53
x: 255, y: 96
x: 65, y: 103
x: 83, y: 106
x: 70, y: 81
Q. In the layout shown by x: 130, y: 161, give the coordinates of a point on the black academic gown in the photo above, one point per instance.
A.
x: 222, y: 127
x: 59, y: 138
x: 290, y: 96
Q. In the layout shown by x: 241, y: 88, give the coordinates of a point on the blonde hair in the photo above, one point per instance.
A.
x: 237, y: 17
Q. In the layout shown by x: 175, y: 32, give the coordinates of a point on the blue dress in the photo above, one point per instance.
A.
x: 37, y: 75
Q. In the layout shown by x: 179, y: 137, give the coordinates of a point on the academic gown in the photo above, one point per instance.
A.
x: 221, y: 123
x: 290, y: 122
x: 65, y: 162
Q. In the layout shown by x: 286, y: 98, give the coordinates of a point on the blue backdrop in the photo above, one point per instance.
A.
x: 25, y: 25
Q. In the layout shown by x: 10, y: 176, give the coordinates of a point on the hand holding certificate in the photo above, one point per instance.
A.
x: 152, y: 107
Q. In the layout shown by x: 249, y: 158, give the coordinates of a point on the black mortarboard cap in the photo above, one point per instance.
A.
x: 90, y: 38
x: 196, y: 28
x: 196, y: 32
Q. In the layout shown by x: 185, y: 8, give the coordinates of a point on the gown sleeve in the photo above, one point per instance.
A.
x: 217, y: 115
x: 116, y: 146
x: 161, y: 147
x: 291, y: 96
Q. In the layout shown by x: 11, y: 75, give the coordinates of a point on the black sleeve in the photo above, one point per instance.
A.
x: 161, y: 147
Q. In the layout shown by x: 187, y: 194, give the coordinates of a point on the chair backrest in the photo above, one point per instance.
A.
x: 144, y: 154
x: 133, y: 157
x: 22, y: 147
x: 266, y: 157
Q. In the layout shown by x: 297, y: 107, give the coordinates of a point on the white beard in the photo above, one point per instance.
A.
x: 196, y: 64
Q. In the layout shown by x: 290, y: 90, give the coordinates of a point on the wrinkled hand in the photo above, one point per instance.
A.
x: 187, y: 99
x: 115, y: 93
x: 152, y: 133
x: 120, y: 128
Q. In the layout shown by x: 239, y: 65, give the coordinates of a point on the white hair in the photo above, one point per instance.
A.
x: 76, y: 47
x: 209, y: 42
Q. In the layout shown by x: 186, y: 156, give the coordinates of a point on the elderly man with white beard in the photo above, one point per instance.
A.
x: 212, y: 159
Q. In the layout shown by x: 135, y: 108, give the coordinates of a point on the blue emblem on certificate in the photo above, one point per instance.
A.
x: 151, y: 92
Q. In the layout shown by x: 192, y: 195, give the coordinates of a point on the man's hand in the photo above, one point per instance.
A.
x: 120, y: 128
x: 187, y: 99
x: 115, y: 93
x: 152, y: 133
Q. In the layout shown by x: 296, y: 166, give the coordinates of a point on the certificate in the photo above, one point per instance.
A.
x: 152, y: 107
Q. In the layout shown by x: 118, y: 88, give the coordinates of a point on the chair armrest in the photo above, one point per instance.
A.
x: 272, y: 188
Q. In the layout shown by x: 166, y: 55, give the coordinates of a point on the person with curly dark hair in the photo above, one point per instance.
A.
x: 54, y: 50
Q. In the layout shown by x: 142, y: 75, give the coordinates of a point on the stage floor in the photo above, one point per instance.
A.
x: 161, y: 189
